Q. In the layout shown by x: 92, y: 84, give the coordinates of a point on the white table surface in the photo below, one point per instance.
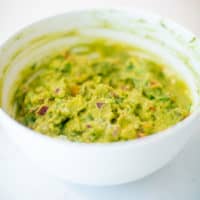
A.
x: 20, y: 180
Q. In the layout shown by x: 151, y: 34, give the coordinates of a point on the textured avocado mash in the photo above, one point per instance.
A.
x: 102, y: 91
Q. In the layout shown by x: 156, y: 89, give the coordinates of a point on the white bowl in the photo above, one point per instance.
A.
x: 113, y: 163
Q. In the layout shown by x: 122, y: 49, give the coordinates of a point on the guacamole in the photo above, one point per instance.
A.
x: 101, y: 91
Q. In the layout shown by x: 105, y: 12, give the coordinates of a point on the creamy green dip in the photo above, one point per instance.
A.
x: 101, y: 91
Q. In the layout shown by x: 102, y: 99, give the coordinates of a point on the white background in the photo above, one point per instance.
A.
x: 20, y: 180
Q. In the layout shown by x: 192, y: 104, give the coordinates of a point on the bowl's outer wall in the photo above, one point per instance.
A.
x: 96, y: 165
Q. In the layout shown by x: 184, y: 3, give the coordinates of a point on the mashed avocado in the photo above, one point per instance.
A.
x: 101, y: 91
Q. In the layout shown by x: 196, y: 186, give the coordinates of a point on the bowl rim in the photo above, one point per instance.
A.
x: 6, y: 118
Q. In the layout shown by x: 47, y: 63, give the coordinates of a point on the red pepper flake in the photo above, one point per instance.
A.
x: 43, y: 110
x: 154, y: 84
x: 57, y: 90
x: 152, y: 108
x: 66, y: 54
x: 141, y: 135
x: 74, y: 90
x: 88, y: 126
x: 114, y: 94
x: 99, y: 104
